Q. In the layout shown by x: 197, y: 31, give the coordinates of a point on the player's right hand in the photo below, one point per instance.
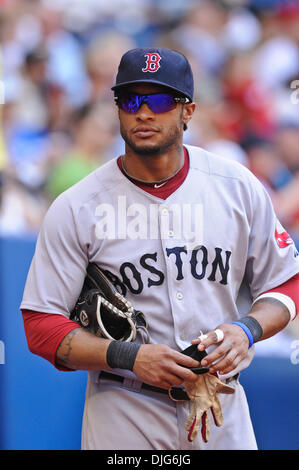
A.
x: 161, y: 366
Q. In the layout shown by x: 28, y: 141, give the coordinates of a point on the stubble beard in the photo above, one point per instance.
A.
x: 148, y: 149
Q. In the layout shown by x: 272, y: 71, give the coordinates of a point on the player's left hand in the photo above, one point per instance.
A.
x: 228, y: 353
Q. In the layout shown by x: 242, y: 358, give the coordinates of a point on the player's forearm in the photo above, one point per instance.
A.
x: 156, y: 364
x: 272, y: 311
x: 272, y: 315
x: 81, y: 350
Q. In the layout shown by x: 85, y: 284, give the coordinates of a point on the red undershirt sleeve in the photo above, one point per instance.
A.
x: 44, y: 333
x: 289, y: 288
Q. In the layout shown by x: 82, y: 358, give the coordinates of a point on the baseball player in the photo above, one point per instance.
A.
x: 192, y: 241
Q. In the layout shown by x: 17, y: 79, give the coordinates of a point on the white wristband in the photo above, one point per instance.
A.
x: 284, y: 299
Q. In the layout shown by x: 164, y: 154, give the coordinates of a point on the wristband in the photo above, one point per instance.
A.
x: 122, y: 355
x: 251, y: 327
x: 246, y: 330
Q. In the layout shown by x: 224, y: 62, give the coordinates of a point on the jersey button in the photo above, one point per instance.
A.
x: 164, y: 211
x: 179, y: 296
x: 171, y: 233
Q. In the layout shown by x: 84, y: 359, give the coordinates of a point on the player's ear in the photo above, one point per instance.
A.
x: 188, y: 111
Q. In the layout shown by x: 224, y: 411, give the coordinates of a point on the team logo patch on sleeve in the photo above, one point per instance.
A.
x: 282, y: 237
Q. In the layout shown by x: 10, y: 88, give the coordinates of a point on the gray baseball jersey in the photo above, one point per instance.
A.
x: 190, y: 262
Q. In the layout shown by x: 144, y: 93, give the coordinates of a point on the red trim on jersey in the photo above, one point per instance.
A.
x: 290, y: 288
x: 169, y: 187
x: 44, y: 332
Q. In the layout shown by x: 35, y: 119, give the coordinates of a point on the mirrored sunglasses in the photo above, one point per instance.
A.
x: 157, y: 102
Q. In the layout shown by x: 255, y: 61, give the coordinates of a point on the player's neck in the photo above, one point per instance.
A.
x: 153, y: 168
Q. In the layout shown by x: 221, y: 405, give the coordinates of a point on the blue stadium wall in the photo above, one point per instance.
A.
x: 41, y: 408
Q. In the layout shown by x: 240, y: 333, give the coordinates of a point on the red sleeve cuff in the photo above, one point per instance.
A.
x: 44, y: 333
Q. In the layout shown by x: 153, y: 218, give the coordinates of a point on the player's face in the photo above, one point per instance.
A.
x: 149, y: 133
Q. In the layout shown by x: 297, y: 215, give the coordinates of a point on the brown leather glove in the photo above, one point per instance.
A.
x: 203, y: 396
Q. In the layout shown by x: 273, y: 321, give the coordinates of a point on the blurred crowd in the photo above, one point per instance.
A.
x: 59, y: 59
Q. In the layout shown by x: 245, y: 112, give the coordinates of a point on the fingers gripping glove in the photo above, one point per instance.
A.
x: 105, y: 312
x: 203, y: 396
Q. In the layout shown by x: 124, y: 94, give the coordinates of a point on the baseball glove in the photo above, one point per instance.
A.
x: 105, y: 312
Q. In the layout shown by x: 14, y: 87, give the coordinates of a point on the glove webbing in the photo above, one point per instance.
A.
x: 124, y: 314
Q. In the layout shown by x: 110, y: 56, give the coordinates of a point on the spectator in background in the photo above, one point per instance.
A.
x: 287, y: 197
x: 32, y: 113
x: 287, y: 143
x: 101, y: 62
x: 275, y: 162
x: 200, y: 34
x: 93, y: 134
x: 22, y: 209
x: 247, y: 96
x: 263, y: 160
x: 39, y: 102
x: 66, y: 67
x: 277, y: 54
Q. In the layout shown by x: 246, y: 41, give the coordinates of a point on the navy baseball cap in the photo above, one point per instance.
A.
x: 160, y: 66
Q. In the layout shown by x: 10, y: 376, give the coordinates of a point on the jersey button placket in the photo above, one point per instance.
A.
x: 180, y: 297
x: 168, y: 240
x: 167, y: 232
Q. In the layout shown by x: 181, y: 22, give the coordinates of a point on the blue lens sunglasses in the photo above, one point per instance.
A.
x: 157, y: 102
